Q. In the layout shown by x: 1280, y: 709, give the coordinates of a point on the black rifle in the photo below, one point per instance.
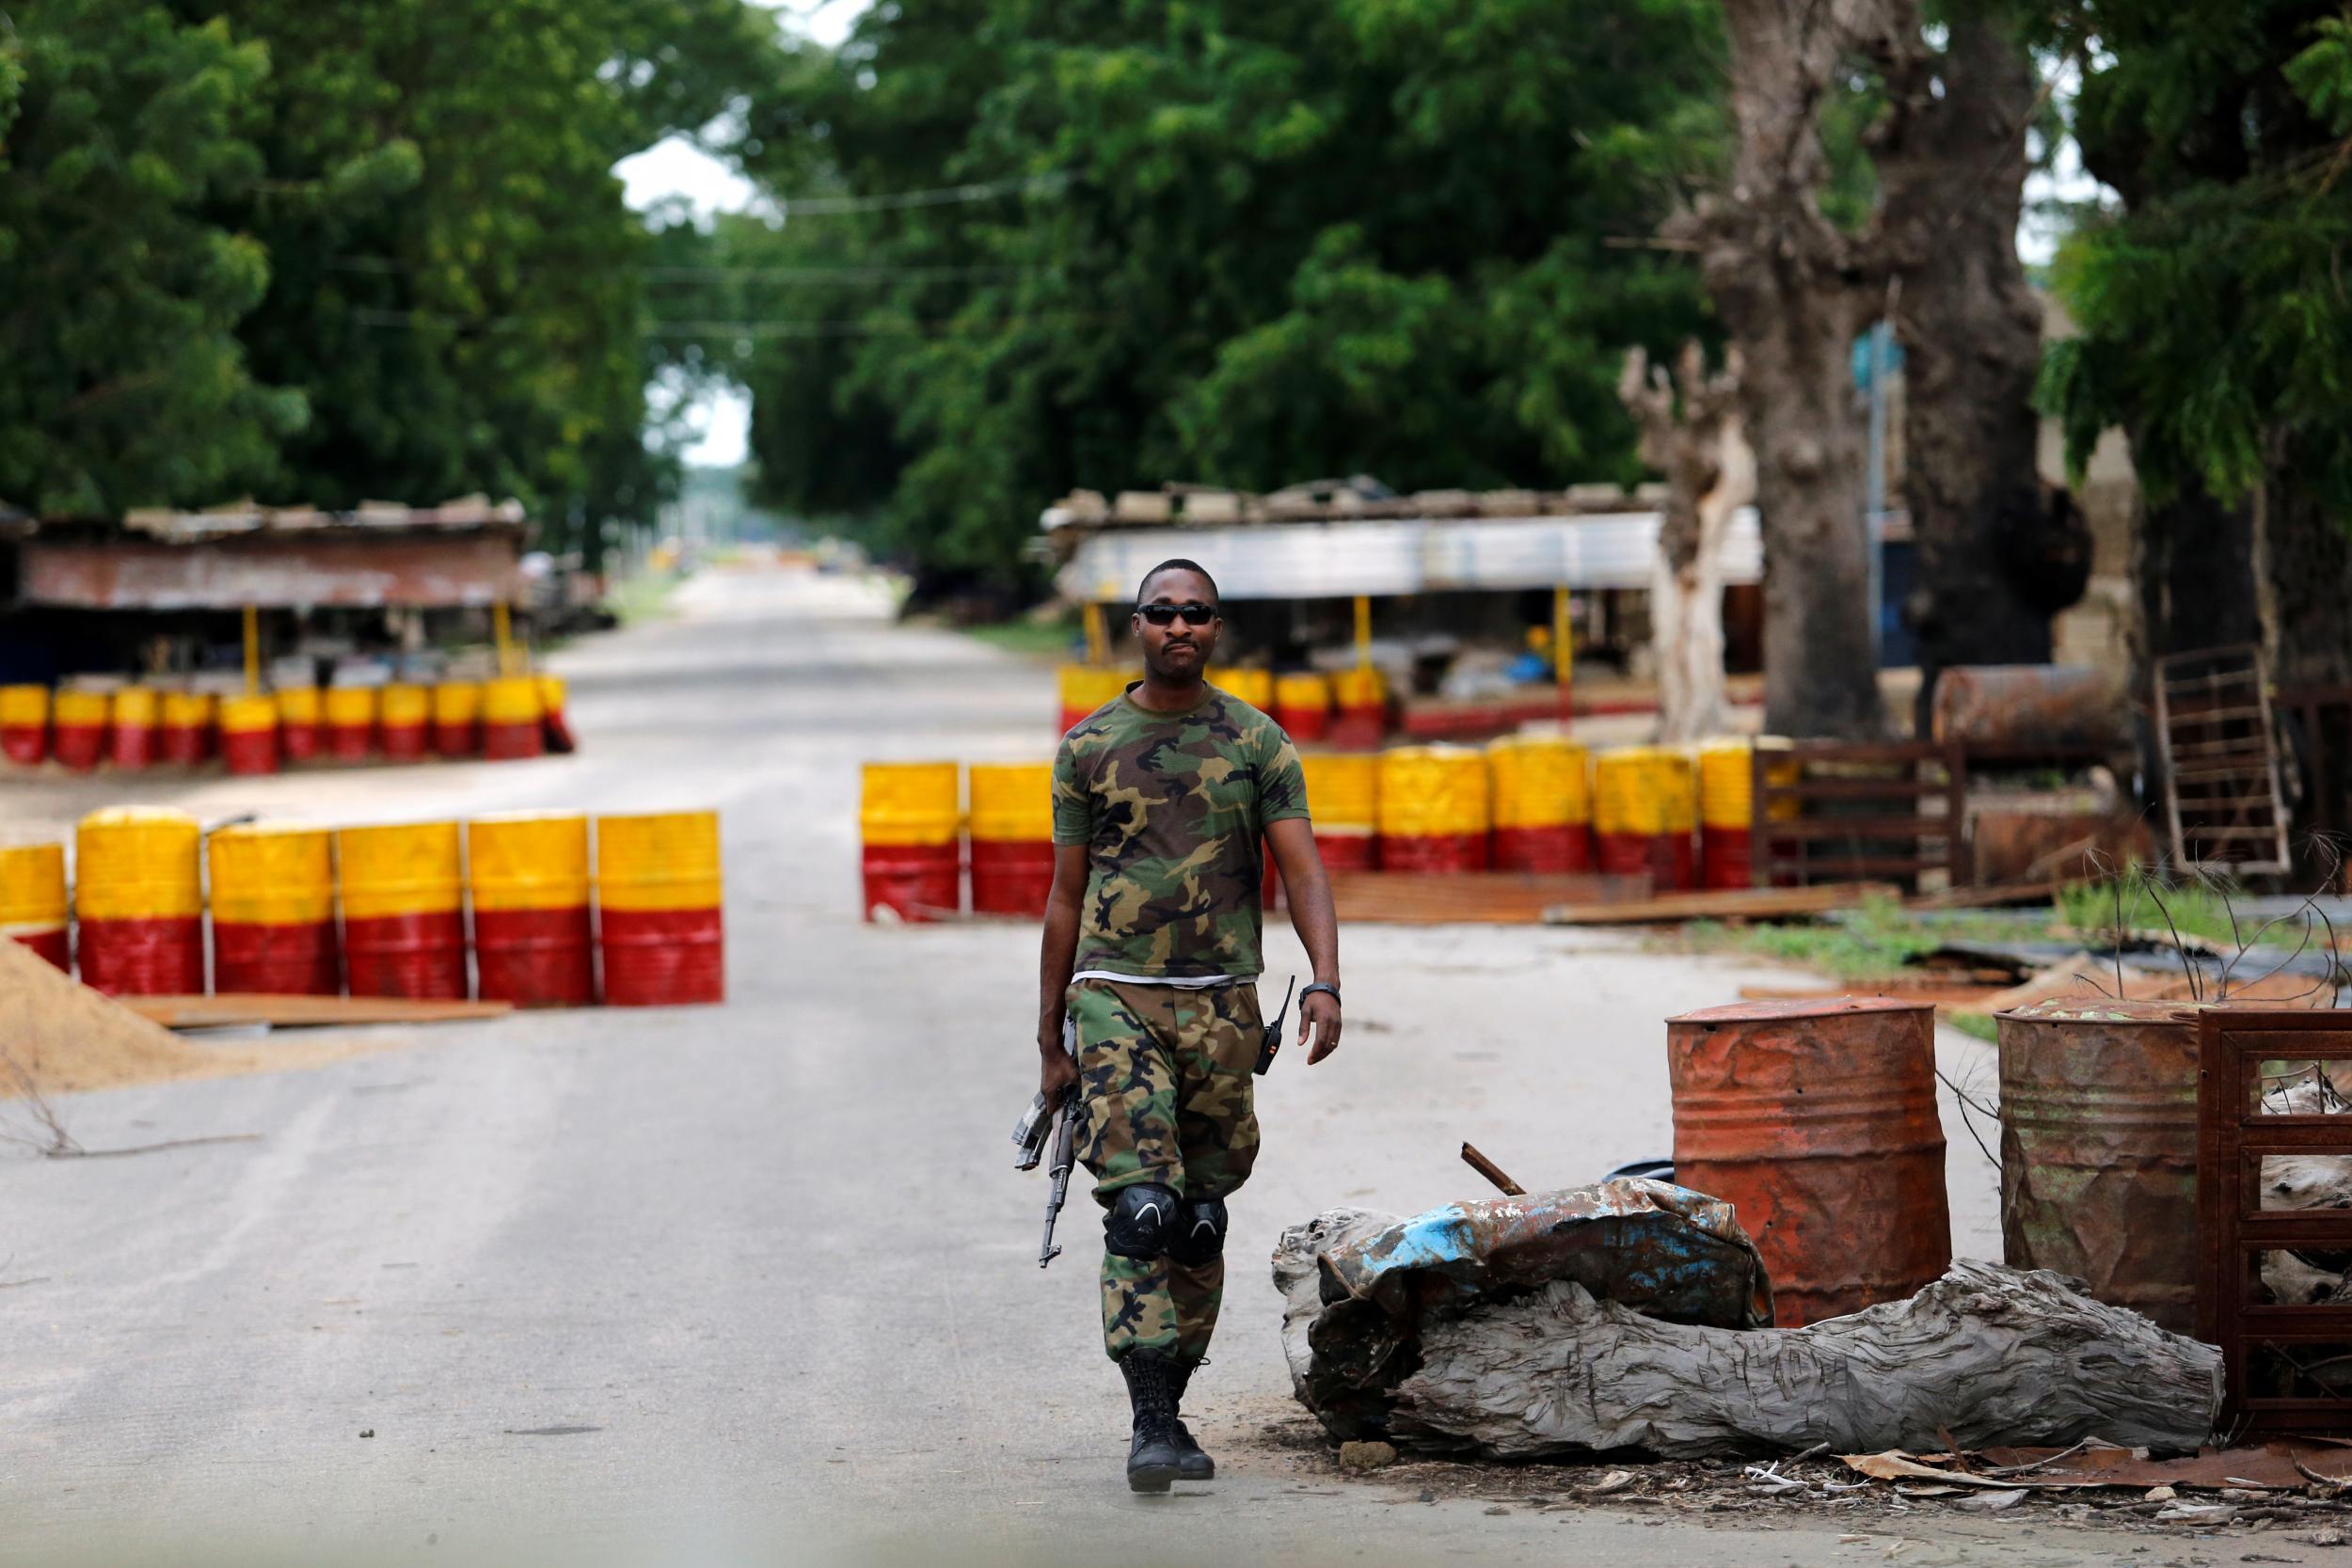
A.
x: 1032, y: 1135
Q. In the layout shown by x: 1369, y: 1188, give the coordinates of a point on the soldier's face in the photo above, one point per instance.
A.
x: 1180, y: 649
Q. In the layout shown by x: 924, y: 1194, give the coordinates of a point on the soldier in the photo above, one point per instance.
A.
x: 1161, y: 799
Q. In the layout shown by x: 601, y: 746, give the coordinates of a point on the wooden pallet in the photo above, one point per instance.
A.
x: 2216, y: 744
x: 1849, y: 812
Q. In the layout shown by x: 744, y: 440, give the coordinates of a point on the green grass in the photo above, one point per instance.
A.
x: 1876, y: 941
x: 1985, y: 1026
x: 2197, y: 909
x: 1021, y: 635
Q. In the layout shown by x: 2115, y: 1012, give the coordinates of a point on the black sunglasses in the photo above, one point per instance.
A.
x: 1194, y: 612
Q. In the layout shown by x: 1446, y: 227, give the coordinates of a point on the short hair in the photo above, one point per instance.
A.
x: 1177, y: 563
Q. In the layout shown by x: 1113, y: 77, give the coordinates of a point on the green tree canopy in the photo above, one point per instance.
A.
x: 1245, y: 245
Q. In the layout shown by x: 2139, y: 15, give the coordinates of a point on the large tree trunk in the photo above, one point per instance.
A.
x: 1795, y: 292
x: 2303, y: 583
x: 1998, y: 556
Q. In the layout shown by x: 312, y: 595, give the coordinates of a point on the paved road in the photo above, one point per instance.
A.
x: 754, y: 1282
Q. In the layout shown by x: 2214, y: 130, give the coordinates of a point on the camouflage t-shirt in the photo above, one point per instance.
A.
x: 1170, y: 807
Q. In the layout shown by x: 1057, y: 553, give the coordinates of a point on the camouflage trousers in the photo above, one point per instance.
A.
x: 1165, y: 1073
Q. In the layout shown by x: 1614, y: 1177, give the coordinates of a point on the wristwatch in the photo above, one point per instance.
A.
x: 1323, y: 986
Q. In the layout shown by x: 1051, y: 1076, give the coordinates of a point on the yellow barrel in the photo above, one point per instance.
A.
x: 1012, y: 801
x: 273, y: 901
x: 1433, y: 809
x: 1783, y: 773
x: 1539, y: 781
x: 1625, y: 797
x: 32, y: 898
x: 659, y: 861
x: 299, y: 705
x: 1675, y: 779
x: 137, y: 706
x: 1342, y: 790
x: 910, y: 804
x: 247, y: 715
x: 402, y: 894
x: 187, y: 709
x: 1302, y: 691
x: 271, y: 873
x: 1086, y: 687
x: 457, y: 701
x: 138, y: 862
x: 23, y: 723
x: 528, y: 861
x: 659, y: 909
x: 80, y: 733
x: 140, y: 900
x: 351, y: 705
x: 528, y: 872
x: 1358, y: 688
x: 512, y: 700
x: 403, y: 703
x: 1255, y: 687
x: 551, y: 693
x: 1726, y: 785
x: 135, y: 726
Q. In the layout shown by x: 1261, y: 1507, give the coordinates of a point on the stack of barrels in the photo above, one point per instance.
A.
x: 652, y: 904
x: 659, y: 909
x: 1542, y: 804
x: 139, y: 901
x: 910, y: 820
x: 32, y: 899
x: 1013, y: 837
x: 274, y: 910
x: 529, y: 876
x: 1433, y: 809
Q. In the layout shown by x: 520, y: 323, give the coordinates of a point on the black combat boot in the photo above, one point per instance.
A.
x: 1154, y: 1459
x: 1196, y: 1464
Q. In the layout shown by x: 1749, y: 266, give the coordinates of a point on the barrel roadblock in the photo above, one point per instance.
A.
x: 33, y: 899
x: 79, y: 741
x: 910, y: 820
x: 529, y: 875
x: 1302, y: 705
x: 351, y: 713
x: 273, y: 901
x: 1543, y: 805
x: 659, y: 909
x: 458, y: 718
x: 1013, y: 837
x: 250, y: 736
x: 1361, y: 698
x: 1085, y: 688
x: 1434, y: 811
x: 1727, y: 813
x: 134, y: 728
x: 139, y: 902
x: 1343, y: 800
x: 403, y: 713
x: 403, y: 898
x: 511, y: 717
x: 187, y: 728
x: 301, y: 721
x: 23, y: 723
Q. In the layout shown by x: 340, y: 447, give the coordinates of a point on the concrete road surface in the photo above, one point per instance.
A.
x: 756, y: 1283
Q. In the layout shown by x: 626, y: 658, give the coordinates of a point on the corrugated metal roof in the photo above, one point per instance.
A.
x: 1316, y: 560
x: 164, y: 525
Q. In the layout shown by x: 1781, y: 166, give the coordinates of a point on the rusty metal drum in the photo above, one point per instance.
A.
x: 1816, y: 1121
x: 2099, y: 1150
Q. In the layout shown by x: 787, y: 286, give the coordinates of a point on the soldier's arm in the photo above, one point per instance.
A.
x: 1058, y: 957
x: 1292, y: 841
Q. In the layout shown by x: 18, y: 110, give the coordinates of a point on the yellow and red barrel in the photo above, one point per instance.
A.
x: 1433, y: 806
x: 32, y: 898
x: 250, y: 734
x: 531, y: 931
x: 458, y: 718
x: 1086, y: 687
x: 1343, y: 800
x: 910, y: 819
x: 1543, y: 803
x: 404, y: 712
x: 135, y: 727
x: 187, y: 736
x: 555, y: 729
x: 301, y: 721
x: 23, y: 723
x: 273, y: 899
x: 1361, y: 698
x: 403, y: 901
x: 1302, y: 704
x: 138, y: 901
x: 659, y: 909
x: 1255, y: 687
x: 1013, y: 837
x: 1727, y: 813
x: 80, y: 737
x: 351, y: 719
x: 1677, y: 784
x: 1628, y: 816
x: 511, y: 720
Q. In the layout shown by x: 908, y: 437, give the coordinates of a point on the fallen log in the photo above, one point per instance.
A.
x: 1985, y: 1355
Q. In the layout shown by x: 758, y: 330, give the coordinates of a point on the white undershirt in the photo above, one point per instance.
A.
x: 1194, y: 982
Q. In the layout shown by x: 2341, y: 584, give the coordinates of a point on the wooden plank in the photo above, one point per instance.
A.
x: 287, y: 1012
x: 1760, y: 903
x: 1474, y: 898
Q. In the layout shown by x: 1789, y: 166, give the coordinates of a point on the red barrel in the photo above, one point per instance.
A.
x: 186, y: 737
x: 350, y: 722
x: 1816, y: 1121
x: 1542, y: 803
x: 134, y: 728
x: 1302, y: 705
x: 909, y: 815
x: 1433, y: 806
x: 511, y: 719
x: 299, y: 716
x: 23, y: 723
x: 273, y: 899
x: 531, y: 944
x: 458, y: 718
x: 80, y: 739
x: 913, y: 881
x: 658, y: 909
x: 404, y: 910
x: 248, y: 735
x: 402, y: 716
x: 1013, y: 837
x: 32, y: 898
x: 1362, y: 700
x: 138, y: 899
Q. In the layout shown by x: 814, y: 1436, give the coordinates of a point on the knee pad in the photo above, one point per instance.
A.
x: 1198, y: 1233
x: 1140, y: 1220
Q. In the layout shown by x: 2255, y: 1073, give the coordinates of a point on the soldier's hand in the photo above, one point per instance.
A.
x: 1319, y: 1015
x: 1057, y: 1074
